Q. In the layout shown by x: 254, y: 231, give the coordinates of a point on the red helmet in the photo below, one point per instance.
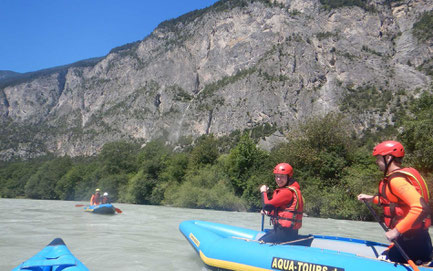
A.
x: 390, y: 147
x: 283, y: 168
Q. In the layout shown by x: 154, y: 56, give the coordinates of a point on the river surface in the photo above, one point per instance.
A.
x: 142, y: 237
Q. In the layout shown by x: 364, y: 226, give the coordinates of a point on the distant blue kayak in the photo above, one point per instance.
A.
x: 101, y: 209
x: 225, y: 247
x: 54, y: 257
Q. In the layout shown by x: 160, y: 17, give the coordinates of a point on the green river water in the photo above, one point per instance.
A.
x: 141, y: 238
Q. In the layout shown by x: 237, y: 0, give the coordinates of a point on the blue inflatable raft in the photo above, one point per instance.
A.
x: 101, y: 209
x: 224, y: 247
x: 54, y: 257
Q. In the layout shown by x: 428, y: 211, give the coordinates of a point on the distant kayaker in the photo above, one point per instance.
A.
x: 404, y: 196
x: 96, y: 198
x: 105, y: 198
x: 285, y: 208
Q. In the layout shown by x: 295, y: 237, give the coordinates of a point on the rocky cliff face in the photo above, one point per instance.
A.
x: 225, y: 68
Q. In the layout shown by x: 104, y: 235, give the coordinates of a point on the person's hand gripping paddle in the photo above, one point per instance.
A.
x: 385, y: 228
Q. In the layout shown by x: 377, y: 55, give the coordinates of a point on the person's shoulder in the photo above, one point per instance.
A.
x: 399, y: 178
x: 398, y: 181
x: 296, y: 185
x: 286, y: 190
x: 400, y: 186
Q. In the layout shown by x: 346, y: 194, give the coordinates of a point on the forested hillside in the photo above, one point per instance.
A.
x: 330, y: 162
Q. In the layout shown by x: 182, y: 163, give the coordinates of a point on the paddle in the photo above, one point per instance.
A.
x: 118, y: 210
x: 385, y: 228
x: 263, y: 222
x: 79, y: 205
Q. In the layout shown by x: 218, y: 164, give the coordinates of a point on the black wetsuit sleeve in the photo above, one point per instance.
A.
x: 266, y: 207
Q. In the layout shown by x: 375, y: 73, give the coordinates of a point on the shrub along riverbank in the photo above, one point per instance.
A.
x: 330, y: 163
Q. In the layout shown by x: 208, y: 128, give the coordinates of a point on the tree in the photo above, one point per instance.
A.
x: 207, y: 187
x: 320, y: 147
x: 118, y: 157
x: 14, y: 176
x: 140, y: 188
x: 153, y: 157
x: 65, y: 187
x: 243, y: 161
x: 205, y: 152
x: 42, y: 184
x: 176, y: 167
x: 417, y: 133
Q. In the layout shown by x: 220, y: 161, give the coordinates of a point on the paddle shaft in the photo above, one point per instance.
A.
x: 263, y: 222
x: 385, y: 228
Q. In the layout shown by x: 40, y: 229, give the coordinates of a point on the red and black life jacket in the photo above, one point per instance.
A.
x: 394, y: 212
x: 290, y: 216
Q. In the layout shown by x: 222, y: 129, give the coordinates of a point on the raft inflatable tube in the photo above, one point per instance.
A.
x: 224, y: 247
x: 101, y: 209
x: 54, y: 257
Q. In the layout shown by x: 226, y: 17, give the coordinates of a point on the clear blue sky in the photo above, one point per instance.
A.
x: 39, y: 34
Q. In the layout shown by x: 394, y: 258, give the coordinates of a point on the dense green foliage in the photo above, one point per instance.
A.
x: 417, y: 133
x: 331, y: 165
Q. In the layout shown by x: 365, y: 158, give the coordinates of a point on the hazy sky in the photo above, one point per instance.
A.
x: 39, y: 34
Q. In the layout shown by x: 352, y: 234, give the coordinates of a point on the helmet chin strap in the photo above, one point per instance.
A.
x: 387, y: 164
x: 289, y: 180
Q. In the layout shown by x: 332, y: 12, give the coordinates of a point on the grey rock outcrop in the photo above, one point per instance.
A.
x: 217, y: 71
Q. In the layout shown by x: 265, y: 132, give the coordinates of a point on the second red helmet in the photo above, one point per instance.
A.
x: 389, y: 147
x: 283, y: 168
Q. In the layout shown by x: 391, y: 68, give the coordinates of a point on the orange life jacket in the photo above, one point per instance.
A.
x: 394, y: 212
x: 94, y: 200
x: 290, y: 216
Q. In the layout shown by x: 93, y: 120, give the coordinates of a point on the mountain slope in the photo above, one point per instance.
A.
x: 233, y: 66
x: 7, y: 74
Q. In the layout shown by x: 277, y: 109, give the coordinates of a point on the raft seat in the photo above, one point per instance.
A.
x: 49, y: 264
x: 349, y: 245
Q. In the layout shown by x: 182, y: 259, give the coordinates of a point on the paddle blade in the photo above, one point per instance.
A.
x: 118, y: 210
x: 79, y: 205
x: 413, y: 265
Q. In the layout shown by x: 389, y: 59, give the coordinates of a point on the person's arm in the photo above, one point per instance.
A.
x: 369, y: 198
x: 91, y: 199
x: 284, y: 196
x: 376, y: 199
x: 365, y: 197
x: 408, y: 194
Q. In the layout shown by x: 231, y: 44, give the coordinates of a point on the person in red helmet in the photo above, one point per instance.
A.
x: 403, y: 195
x: 285, y: 208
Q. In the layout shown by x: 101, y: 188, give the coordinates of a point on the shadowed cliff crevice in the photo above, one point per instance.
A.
x: 5, y: 103
x: 209, y: 122
x: 61, y: 78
